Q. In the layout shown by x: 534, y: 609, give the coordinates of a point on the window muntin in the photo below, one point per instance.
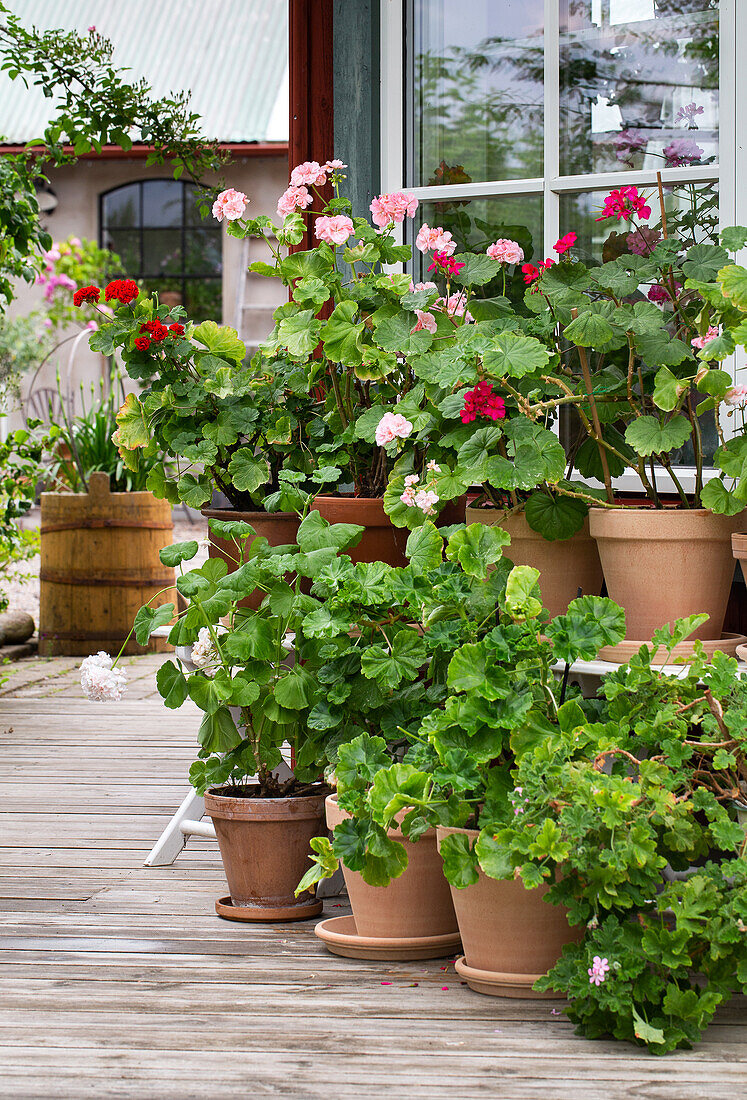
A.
x: 156, y: 229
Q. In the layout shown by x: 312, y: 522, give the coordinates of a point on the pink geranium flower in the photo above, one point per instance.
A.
x: 737, y: 395
x: 456, y: 306
x: 425, y: 321
x: 308, y: 173
x: 626, y: 144
x: 393, y: 208
x: 293, y: 199
x: 392, y: 426
x: 701, y: 341
x: 425, y: 500
x: 598, y: 970
x: 230, y: 205
x: 435, y: 240
x: 505, y: 251
x: 687, y: 114
x: 334, y: 230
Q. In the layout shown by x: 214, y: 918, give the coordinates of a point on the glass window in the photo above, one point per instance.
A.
x: 478, y: 102
x: 563, y: 96
x: 155, y: 228
x: 638, y: 84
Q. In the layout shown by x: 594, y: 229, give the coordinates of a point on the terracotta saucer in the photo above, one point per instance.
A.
x: 742, y: 652
x: 340, y: 936
x: 496, y: 984
x: 225, y: 908
x: 621, y: 653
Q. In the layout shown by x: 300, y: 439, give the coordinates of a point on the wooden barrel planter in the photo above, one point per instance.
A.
x: 99, y: 565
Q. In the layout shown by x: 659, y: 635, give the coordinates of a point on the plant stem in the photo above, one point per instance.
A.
x: 595, y: 418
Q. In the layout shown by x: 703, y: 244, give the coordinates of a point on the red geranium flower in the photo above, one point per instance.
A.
x: 86, y: 294
x: 124, y: 290
x: 142, y: 343
x: 156, y: 330
x: 481, y: 401
x: 176, y: 329
x: 565, y: 244
x: 624, y: 202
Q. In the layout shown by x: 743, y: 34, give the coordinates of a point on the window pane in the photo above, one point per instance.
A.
x: 162, y: 203
x: 122, y: 207
x: 638, y: 84
x: 203, y: 252
x: 126, y: 244
x: 476, y: 223
x: 476, y: 101
x: 203, y: 299
x: 192, y: 197
x: 162, y: 251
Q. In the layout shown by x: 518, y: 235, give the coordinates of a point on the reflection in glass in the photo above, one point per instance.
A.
x: 203, y: 299
x: 122, y: 207
x: 126, y: 244
x: 477, y: 223
x: 162, y: 251
x: 203, y: 252
x: 162, y: 203
x: 638, y: 84
x: 477, y: 91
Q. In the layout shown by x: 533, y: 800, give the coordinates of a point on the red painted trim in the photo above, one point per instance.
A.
x: 139, y: 152
x: 311, y: 84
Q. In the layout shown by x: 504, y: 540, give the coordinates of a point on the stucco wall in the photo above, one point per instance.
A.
x: 78, y: 188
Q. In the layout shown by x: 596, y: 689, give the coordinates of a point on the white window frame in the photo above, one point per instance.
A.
x: 731, y: 168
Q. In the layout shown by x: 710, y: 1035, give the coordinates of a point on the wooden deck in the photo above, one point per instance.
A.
x: 119, y: 981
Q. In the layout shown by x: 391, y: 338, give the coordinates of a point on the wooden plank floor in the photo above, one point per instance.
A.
x: 119, y: 981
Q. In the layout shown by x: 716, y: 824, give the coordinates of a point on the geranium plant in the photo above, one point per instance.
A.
x: 485, y: 658
x: 219, y: 421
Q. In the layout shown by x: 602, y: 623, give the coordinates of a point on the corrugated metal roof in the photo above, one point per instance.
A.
x: 231, y: 54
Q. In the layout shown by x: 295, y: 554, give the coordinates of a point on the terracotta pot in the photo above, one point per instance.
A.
x: 664, y: 564
x: 417, y: 905
x: 381, y: 541
x: 279, y: 528
x: 565, y: 565
x: 264, y: 845
x: 511, y: 936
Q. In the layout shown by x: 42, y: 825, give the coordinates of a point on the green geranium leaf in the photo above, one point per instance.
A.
x: 178, y: 552
x: 515, y: 355
x: 720, y: 348
x: 554, y: 516
x: 149, y: 619
x: 647, y: 436
x: 477, y: 547
x: 316, y: 533
x: 668, y: 390
x: 195, y: 491
x: 220, y: 340
x: 248, y: 472
x: 477, y: 270
x: 494, y: 856
x: 172, y: 685
x: 425, y: 548
x: 389, y: 668
x: 300, y: 333
x: 733, y: 282
x: 218, y: 731
x: 296, y: 690
x: 589, y: 330
x: 395, y: 788
x: 342, y: 338
x: 716, y: 383
x: 359, y: 761
x: 460, y: 861
x: 132, y: 426
x: 254, y: 639
x: 717, y: 498
x: 734, y: 238
x: 704, y: 261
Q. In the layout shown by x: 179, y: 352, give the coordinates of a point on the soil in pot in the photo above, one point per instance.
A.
x: 565, y: 565
x: 511, y: 936
x: 279, y: 528
x: 665, y: 564
x: 264, y: 845
x: 413, y: 911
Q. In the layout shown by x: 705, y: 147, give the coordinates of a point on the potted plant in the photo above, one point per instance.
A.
x: 254, y: 675
x: 632, y: 823
x: 389, y: 633
x: 643, y: 375
x: 490, y: 684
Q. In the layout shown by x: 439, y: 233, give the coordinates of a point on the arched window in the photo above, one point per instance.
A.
x: 156, y: 229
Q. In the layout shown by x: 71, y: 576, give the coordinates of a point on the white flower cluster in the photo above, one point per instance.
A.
x: 100, y: 681
x: 204, y: 654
